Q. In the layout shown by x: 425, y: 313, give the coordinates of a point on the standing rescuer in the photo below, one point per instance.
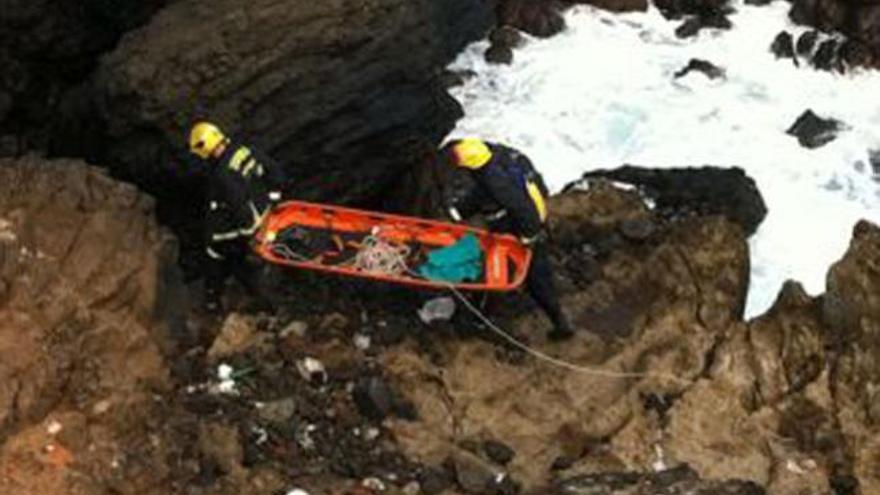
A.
x: 243, y: 187
x: 512, y: 193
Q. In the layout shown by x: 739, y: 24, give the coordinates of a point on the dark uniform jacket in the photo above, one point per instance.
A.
x: 242, y: 188
x: 507, y: 186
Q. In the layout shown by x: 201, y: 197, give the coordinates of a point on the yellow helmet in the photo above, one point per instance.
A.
x: 204, y: 138
x: 471, y: 153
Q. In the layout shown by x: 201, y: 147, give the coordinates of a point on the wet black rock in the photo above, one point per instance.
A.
x: 874, y: 161
x: 783, y: 45
x: 497, y: 54
x: 506, y: 36
x: 434, y: 481
x: 694, y: 25
x: 813, y: 131
x: 705, y: 67
x: 692, y: 190
x: 825, y: 56
x: 670, y: 482
x: 806, y: 43
x: 376, y: 399
x: 498, y: 452
x: 676, y: 9
x: 541, y: 18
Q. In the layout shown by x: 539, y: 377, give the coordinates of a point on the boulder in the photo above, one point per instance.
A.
x: 705, y: 67
x: 813, y: 131
x: 783, y: 45
x: 705, y: 190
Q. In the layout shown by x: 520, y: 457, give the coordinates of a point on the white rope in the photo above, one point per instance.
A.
x: 382, y: 257
x: 556, y: 361
x: 379, y: 256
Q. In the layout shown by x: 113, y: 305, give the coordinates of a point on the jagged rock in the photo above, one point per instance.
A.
x: 376, y: 400
x: 475, y: 475
x: 695, y: 24
x: 670, y: 482
x: 813, y: 131
x: 874, y: 160
x: 92, y: 293
x: 498, y: 452
x: 705, y: 67
x: 824, y: 57
x: 852, y: 312
x: 788, y: 345
x: 542, y: 18
x: 506, y: 36
x: 279, y: 411
x: 783, y: 45
x: 237, y: 335
x: 675, y: 9
x: 497, y: 54
x: 858, y: 21
x: 619, y: 5
x: 707, y: 190
x: 645, y: 303
x: 435, y: 480
x: 807, y: 42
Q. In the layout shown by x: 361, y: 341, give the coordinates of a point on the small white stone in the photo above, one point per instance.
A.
x: 54, y: 427
x: 362, y: 342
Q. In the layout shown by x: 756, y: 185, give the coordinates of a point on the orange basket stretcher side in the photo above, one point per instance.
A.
x: 500, y: 250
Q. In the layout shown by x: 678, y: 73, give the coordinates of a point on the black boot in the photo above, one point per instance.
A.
x: 561, y: 329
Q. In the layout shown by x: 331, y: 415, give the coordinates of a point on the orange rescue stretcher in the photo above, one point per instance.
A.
x: 505, y: 259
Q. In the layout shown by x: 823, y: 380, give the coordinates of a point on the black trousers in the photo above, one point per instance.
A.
x: 232, y: 262
x: 539, y: 281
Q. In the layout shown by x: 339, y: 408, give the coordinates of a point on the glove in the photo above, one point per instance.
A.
x: 529, y: 241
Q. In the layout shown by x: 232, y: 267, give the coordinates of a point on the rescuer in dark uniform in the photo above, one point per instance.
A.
x: 512, y: 193
x: 243, y: 187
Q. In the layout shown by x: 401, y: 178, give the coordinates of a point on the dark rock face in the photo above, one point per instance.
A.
x: 705, y: 67
x: 858, y: 21
x: 273, y: 74
x: 48, y: 48
x: 813, y: 131
x: 707, y: 191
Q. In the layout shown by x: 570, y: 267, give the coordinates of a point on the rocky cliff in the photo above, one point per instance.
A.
x: 108, y: 387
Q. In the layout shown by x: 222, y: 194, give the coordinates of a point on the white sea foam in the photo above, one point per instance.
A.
x: 602, y: 94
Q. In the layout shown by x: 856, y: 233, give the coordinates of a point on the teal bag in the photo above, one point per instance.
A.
x: 462, y: 261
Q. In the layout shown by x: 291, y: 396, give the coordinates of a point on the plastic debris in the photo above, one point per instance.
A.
x: 227, y: 382
x: 312, y: 370
x: 374, y: 484
x: 437, y: 309
x: 362, y: 342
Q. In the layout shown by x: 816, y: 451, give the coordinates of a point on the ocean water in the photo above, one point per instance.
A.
x: 602, y: 94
